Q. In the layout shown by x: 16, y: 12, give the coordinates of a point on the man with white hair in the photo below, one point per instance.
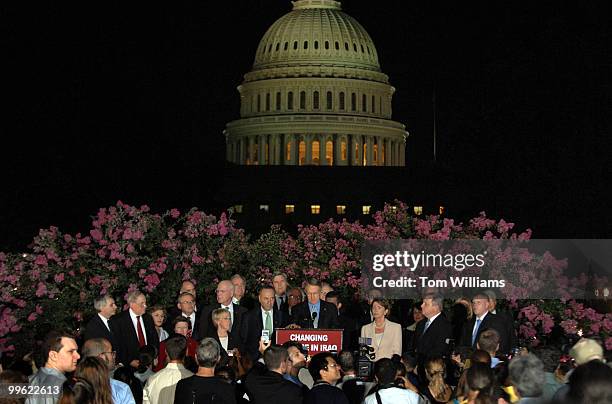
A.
x: 584, y: 351
x: 225, y: 293
x: 527, y: 377
x: 98, y: 326
x: 133, y: 329
x: 101, y: 348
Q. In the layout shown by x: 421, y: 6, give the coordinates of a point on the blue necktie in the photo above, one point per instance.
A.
x: 475, y: 332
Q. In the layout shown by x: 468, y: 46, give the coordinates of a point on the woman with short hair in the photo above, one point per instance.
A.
x: 385, y: 335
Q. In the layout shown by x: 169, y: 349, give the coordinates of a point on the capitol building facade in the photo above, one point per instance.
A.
x: 316, y: 96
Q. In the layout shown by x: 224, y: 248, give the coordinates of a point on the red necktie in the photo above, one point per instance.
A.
x: 141, y: 338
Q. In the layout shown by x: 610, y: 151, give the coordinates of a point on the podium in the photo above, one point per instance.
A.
x: 315, y: 340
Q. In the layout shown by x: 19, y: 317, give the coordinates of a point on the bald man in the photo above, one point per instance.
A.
x: 225, y: 293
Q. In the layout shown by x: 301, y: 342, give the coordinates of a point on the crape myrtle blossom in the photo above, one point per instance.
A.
x: 127, y: 248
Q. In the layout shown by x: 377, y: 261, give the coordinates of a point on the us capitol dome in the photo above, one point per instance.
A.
x: 316, y: 96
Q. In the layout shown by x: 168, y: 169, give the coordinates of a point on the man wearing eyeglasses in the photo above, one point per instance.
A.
x: 102, y: 349
x: 186, y: 308
x: 325, y: 371
x: 175, y: 311
x: 133, y: 329
x: 225, y: 293
x: 314, y: 313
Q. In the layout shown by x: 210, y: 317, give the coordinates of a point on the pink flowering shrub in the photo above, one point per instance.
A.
x: 127, y: 248
x: 54, y: 284
x: 534, y: 322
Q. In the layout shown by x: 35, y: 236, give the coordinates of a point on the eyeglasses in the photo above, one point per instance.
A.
x: 188, y: 302
x: 113, y: 353
x: 332, y: 365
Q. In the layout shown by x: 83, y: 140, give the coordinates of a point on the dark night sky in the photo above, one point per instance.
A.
x: 129, y: 102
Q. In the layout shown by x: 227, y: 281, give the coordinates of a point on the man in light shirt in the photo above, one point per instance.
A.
x: 61, y: 354
x: 102, y: 349
x: 160, y: 387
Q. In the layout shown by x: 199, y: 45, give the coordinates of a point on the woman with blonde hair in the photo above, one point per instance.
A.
x: 95, y: 372
x: 159, y: 317
x: 437, y: 390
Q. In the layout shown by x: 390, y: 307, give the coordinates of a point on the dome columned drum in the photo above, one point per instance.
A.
x: 316, y: 96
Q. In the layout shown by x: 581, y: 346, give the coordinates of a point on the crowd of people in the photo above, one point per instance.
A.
x: 225, y: 352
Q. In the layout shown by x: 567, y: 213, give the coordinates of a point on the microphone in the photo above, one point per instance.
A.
x: 314, y: 317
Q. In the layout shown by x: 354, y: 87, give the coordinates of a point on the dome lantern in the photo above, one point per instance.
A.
x: 301, y: 4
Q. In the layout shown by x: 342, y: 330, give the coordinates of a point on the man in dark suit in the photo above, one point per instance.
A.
x: 271, y: 386
x: 295, y: 296
x: 133, y: 329
x: 507, y: 320
x: 314, y: 312
x: 225, y: 293
x: 174, y: 311
x: 483, y: 320
x: 264, y: 316
x: 240, y: 296
x: 432, y: 337
x: 98, y: 326
x: 361, y: 311
x: 185, y: 307
x: 348, y: 324
x: 281, y: 298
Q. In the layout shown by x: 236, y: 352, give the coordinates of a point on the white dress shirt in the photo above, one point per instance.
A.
x: 191, y: 318
x: 135, y: 323
x: 104, y: 320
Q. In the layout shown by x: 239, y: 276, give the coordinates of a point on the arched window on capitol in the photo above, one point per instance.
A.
x: 329, y: 152
x: 316, y: 150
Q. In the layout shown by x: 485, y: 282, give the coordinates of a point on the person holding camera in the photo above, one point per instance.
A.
x: 385, y: 335
x: 387, y: 391
x: 261, y: 321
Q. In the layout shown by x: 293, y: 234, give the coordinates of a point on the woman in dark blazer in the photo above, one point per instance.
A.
x: 228, y: 341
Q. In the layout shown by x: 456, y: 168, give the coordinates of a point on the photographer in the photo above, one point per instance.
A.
x: 386, y: 391
x: 354, y: 388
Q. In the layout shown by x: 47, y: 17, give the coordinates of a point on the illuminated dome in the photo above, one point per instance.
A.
x: 316, y: 96
x: 316, y: 33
